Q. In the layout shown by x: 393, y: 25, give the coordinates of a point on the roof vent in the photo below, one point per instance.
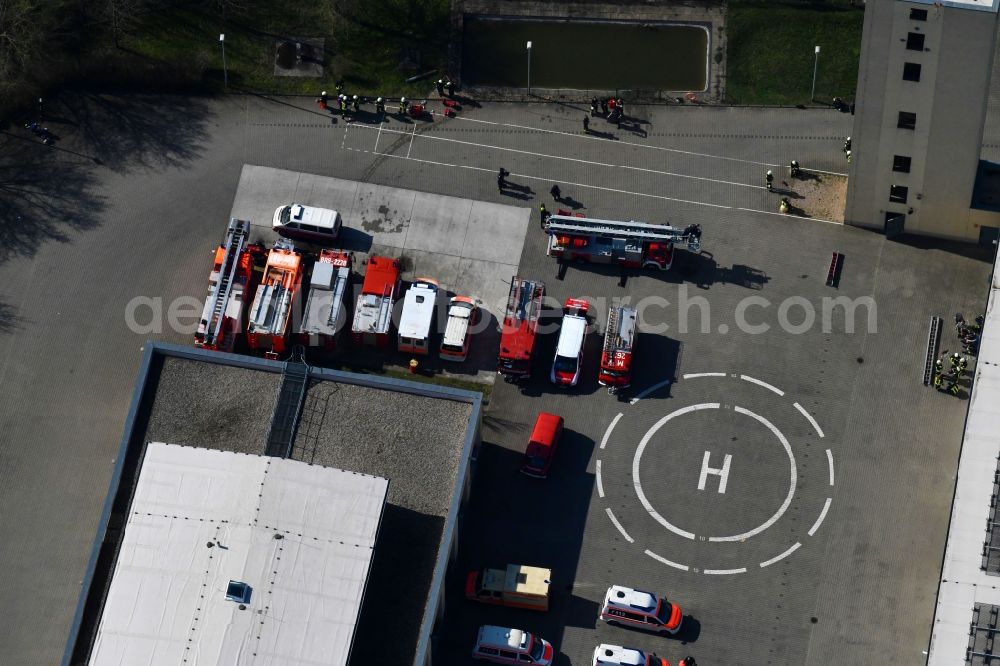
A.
x: 238, y: 592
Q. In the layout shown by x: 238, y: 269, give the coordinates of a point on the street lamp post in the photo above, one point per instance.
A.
x: 529, y: 69
x: 225, y: 71
x: 815, y: 65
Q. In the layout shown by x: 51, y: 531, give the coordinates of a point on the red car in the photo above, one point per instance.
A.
x: 542, y: 446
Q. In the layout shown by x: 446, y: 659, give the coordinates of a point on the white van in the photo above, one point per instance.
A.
x: 511, y: 646
x: 417, y: 319
x: 306, y: 223
x: 463, y: 313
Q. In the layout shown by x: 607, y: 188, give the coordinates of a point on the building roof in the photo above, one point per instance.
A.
x: 367, y: 424
x: 300, y: 536
x: 981, y: 5
x: 970, y: 577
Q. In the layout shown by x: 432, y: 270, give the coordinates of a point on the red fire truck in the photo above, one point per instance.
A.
x: 229, y: 285
x: 616, y: 356
x: 325, y: 316
x: 273, y: 306
x: 520, y: 325
x: 373, y: 313
x: 628, y: 244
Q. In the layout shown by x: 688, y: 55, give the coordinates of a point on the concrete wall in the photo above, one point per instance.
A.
x: 949, y: 102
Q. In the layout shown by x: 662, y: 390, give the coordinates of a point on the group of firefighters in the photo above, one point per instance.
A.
x: 968, y: 335
x: 352, y: 103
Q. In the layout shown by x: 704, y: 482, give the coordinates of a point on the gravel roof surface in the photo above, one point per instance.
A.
x: 212, y: 406
x: 414, y: 441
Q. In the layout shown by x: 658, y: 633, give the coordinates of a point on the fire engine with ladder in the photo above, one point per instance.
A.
x: 520, y: 326
x: 325, y: 314
x: 629, y: 244
x: 272, y: 309
x: 619, y: 343
x: 228, y: 284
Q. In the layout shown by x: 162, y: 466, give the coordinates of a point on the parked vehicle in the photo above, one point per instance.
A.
x: 616, y: 655
x: 463, y: 314
x: 616, y: 355
x: 274, y: 303
x: 628, y: 244
x: 640, y: 610
x: 520, y: 328
x: 518, y: 585
x: 511, y: 646
x: 373, y: 311
x: 541, y: 449
x: 307, y: 223
x: 417, y: 318
x: 568, y: 362
x: 325, y: 315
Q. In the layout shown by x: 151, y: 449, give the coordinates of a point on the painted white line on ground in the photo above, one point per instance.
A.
x: 682, y: 567
x: 343, y: 142
x: 761, y: 383
x: 600, y: 485
x: 378, y: 136
x: 829, y: 458
x: 619, y: 526
x: 832, y: 173
x: 548, y: 180
x: 607, y: 433
x: 822, y: 515
x: 618, y: 143
x: 413, y: 136
x: 695, y: 375
x: 768, y: 212
x: 723, y: 572
x: 785, y: 554
x: 637, y: 459
x: 646, y: 392
x: 819, y: 431
x: 791, y: 484
x: 431, y: 137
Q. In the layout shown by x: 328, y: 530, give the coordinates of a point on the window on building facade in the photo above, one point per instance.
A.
x: 907, y: 120
x: 914, y: 41
x: 911, y: 71
x: 901, y: 163
x: 918, y: 14
x: 897, y: 193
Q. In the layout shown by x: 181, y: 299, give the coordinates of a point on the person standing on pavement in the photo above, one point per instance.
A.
x: 586, y: 125
x: 440, y: 87
x: 556, y: 193
x: 543, y: 215
x: 449, y: 87
x: 402, y: 106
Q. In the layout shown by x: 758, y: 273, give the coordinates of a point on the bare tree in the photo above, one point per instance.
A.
x: 22, y: 40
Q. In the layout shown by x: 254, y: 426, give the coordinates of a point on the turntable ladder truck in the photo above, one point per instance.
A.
x: 229, y: 282
x: 628, y: 244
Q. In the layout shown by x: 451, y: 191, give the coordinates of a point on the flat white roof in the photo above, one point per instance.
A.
x: 418, y: 310
x: 982, y: 5
x: 301, y: 536
x: 571, y: 336
x: 458, y: 323
x: 963, y: 581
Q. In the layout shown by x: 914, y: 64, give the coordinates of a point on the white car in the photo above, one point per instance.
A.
x: 616, y: 655
x: 307, y: 223
x: 572, y: 338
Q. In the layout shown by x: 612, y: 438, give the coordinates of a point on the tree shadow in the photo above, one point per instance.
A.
x: 125, y: 132
x: 10, y: 320
x: 45, y: 195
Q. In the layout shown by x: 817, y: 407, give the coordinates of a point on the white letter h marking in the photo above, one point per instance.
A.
x: 706, y: 470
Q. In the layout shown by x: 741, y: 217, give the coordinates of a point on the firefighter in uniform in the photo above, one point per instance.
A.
x: 402, y: 106
x: 323, y: 98
x: 379, y: 105
x: 449, y: 87
x: 356, y: 104
x: 543, y: 215
x: 769, y: 179
x: 794, y: 169
x: 440, y: 87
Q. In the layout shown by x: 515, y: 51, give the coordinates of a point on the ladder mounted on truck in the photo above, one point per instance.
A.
x: 632, y: 230
x: 612, y: 340
x: 235, y: 244
x: 521, y: 302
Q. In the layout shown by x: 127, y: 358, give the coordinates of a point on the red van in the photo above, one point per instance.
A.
x: 542, y: 446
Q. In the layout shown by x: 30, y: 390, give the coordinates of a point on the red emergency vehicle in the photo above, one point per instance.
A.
x: 616, y: 356
x: 325, y: 314
x: 273, y: 306
x: 373, y: 313
x: 520, y: 326
x: 628, y: 244
x: 229, y: 287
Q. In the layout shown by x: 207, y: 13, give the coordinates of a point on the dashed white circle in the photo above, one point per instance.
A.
x: 637, y: 482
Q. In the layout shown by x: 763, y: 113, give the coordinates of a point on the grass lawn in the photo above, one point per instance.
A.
x: 771, y: 50
x: 364, y: 44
